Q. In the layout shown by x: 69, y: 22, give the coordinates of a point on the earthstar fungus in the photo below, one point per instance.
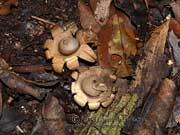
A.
x: 65, y: 47
x: 94, y: 87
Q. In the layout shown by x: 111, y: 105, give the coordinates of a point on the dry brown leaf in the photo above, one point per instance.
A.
x: 5, y: 6
x: 121, y: 41
x: 87, y: 19
x: 147, y: 67
x: 53, y: 116
x: 160, y: 110
x: 121, y: 47
x: 104, y: 36
x: 93, y: 4
x: 176, y: 9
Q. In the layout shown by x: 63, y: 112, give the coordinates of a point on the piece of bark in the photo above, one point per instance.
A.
x: 152, y: 68
x: 53, y: 116
x: 20, y: 85
x: 111, y: 120
x: 160, y: 111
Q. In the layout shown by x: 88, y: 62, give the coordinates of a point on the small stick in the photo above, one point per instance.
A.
x: 19, y: 84
x: 43, y: 20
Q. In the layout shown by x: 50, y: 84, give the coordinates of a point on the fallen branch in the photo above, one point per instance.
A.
x: 19, y: 84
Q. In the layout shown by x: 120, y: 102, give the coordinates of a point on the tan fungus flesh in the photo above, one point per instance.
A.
x: 64, y: 48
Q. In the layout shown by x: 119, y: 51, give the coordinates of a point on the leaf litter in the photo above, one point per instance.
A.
x: 140, y: 67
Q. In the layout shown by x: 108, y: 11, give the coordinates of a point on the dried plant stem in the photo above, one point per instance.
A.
x: 43, y: 20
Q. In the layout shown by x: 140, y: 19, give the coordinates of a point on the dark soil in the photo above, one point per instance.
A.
x: 21, y: 44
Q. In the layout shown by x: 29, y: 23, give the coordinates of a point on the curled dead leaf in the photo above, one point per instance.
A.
x: 122, y: 46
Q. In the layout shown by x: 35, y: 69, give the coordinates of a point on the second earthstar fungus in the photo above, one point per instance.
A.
x: 94, y: 87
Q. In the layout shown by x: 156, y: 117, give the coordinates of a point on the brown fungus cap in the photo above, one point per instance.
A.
x: 94, y: 87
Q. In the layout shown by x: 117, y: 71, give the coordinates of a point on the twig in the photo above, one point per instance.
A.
x: 147, y: 5
x: 20, y: 85
x: 43, y: 20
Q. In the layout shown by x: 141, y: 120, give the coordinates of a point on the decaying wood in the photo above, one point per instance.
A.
x: 109, y: 121
x: 160, y: 111
x: 152, y: 68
